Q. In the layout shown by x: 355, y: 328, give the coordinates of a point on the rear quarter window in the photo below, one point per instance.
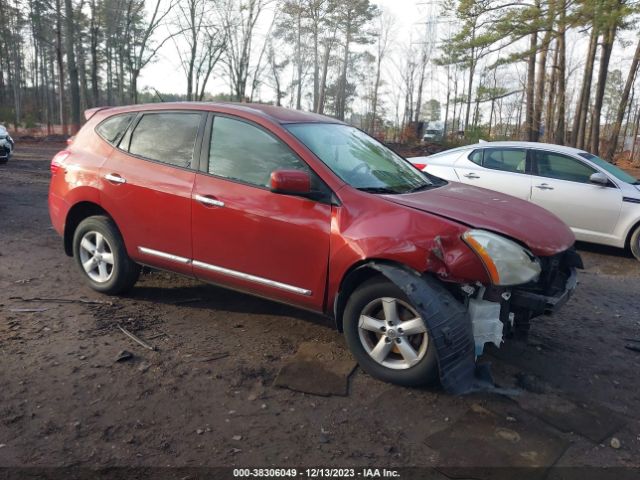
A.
x: 112, y: 129
x: 476, y: 157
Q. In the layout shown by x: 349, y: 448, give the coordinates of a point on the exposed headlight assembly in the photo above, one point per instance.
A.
x: 507, y: 263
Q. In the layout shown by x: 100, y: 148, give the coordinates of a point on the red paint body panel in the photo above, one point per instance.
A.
x: 292, y: 240
x: 544, y: 233
x: 152, y: 209
x: 277, y: 237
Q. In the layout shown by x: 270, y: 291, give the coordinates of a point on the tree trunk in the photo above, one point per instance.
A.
x: 74, y: 88
x: 540, y: 83
x: 299, y: 61
x: 530, y: 88
x: 580, y: 116
x: 323, y: 81
x: 61, y: 96
x: 559, y: 137
x: 607, y: 46
x: 549, y: 134
x: 94, y: 29
x: 374, y: 103
x: 341, y: 97
x: 622, y: 107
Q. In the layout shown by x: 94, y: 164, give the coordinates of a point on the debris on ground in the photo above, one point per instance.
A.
x: 123, y: 356
x: 317, y: 368
x: 136, y: 339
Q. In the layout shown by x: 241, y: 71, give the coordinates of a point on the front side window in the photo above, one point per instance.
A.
x: 505, y: 159
x: 241, y: 151
x: 561, y: 167
x: 610, y: 168
x: 358, y: 159
x: 112, y: 129
x: 166, y: 137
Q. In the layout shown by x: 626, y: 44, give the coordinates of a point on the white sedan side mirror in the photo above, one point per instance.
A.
x: 599, y: 178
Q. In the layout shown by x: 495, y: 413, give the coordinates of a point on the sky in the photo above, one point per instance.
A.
x: 165, y: 73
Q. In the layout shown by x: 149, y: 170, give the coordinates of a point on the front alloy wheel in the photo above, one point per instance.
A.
x: 387, y: 336
x: 392, y: 333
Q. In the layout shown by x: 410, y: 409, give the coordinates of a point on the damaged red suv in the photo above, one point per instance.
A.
x: 418, y: 272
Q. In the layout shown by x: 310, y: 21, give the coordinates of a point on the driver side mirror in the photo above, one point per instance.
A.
x: 291, y: 182
x: 599, y: 178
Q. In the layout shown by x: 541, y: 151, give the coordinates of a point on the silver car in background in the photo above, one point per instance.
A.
x: 6, y: 145
x: 599, y: 201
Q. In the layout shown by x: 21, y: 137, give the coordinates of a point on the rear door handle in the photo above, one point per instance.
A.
x: 471, y: 175
x: 208, y: 201
x: 544, y: 186
x: 115, y: 178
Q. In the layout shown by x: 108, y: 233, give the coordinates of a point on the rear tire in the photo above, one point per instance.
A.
x: 101, y: 256
x: 381, y: 342
x: 635, y: 243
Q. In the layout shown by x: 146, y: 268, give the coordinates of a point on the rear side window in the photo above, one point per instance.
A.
x: 166, y: 137
x: 505, y: 159
x: 241, y: 151
x: 562, y: 167
x: 112, y: 129
x: 476, y: 157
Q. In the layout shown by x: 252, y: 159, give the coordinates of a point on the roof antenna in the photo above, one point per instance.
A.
x: 158, y: 94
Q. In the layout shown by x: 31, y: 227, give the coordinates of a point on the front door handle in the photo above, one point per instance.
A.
x: 212, y: 202
x: 544, y: 186
x: 471, y: 175
x: 115, y: 178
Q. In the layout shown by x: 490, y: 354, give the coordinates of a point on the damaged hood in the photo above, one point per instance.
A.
x: 543, y: 232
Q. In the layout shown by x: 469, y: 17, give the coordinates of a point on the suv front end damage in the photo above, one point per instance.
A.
x: 497, y: 312
x: 461, y: 319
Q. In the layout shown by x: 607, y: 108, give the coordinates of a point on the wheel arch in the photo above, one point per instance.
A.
x: 357, y: 274
x: 447, y: 320
x: 630, y: 232
x: 77, y: 214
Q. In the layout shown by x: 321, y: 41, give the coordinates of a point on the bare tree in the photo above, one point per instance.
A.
x: 385, y: 31
x: 238, y: 19
x: 204, y: 44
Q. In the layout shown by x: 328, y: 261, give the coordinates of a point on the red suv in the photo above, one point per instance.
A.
x: 418, y: 272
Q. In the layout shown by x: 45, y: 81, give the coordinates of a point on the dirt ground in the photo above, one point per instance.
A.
x: 206, y: 396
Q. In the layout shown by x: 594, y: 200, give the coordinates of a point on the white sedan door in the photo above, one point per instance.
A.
x: 501, y: 169
x: 561, y: 185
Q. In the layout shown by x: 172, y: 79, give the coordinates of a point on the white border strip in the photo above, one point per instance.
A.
x: 252, y: 278
x: 166, y: 256
x: 226, y: 271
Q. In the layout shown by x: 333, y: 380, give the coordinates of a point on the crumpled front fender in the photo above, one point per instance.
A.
x: 447, y: 322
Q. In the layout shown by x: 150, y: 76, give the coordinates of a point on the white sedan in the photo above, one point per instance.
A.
x: 599, y: 201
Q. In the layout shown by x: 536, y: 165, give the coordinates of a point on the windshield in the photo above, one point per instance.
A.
x: 610, y: 168
x: 358, y: 159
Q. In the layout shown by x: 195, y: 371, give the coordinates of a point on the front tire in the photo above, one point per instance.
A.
x: 635, y: 243
x: 387, y: 335
x: 102, y: 258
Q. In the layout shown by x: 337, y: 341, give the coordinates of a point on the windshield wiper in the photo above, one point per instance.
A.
x: 426, y: 186
x: 377, y: 190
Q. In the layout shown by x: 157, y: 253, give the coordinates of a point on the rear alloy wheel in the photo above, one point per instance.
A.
x: 387, y: 335
x: 96, y: 256
x: 100, y: 253
x: 635, y: 243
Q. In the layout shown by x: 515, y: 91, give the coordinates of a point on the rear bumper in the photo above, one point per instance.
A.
x: 538, y: 303
x: 58, y: 209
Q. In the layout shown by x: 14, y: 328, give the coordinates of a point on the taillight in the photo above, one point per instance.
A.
x: 57, y: 162
x: 420, y: 166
